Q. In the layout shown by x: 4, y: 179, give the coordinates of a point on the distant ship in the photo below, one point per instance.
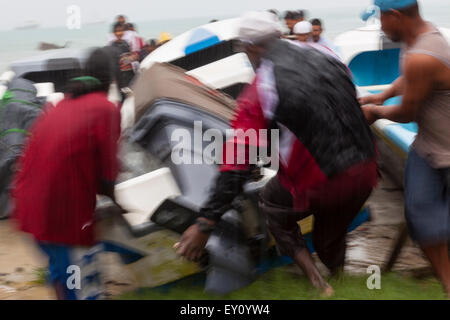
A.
x: 95, y: 22
x: 28, y: 25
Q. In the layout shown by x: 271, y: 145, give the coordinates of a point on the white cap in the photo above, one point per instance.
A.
x: 303, y: 27
x: 259, y: 25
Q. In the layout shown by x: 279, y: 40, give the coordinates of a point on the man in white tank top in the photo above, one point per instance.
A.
x: 425, y: 87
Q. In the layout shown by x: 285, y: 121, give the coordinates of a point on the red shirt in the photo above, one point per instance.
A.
x: 298, y: 170
x: 73, y: 147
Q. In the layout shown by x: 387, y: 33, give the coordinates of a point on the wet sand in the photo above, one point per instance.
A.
x: 19, y: 263
x: 370, y: 244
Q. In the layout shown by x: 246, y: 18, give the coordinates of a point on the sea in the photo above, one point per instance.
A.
x: 19, y: 44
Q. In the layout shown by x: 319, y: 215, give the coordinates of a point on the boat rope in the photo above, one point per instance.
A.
x: 8, y: 97
x: 22, y: 90
x: 13, y: 130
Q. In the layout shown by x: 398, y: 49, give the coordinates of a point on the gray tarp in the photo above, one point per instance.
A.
x: 19, y: 108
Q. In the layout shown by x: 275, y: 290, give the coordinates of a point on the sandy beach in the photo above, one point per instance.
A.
x: 19, y: 264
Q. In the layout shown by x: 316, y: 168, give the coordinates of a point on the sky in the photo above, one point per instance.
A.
x: 54, y: 12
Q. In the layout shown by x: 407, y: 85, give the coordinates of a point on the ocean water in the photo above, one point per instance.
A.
x: 18, y: 44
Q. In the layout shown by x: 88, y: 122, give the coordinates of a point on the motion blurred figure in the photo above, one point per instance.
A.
x: 316, y: 36
x: 148, y: 48
x: 118, y: 32
x: 137, y: 43
x: 327, y: 155
x: 70, y: 158
x: 425, y: 86
x: 122, y: 58
x: 121, y: 19
x: 291, y: 18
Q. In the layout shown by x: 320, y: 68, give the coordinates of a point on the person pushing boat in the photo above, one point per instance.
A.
x: 327, y: 156
x: 425, y: 86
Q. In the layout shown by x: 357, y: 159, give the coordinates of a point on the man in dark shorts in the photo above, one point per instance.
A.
x: 425, y: 86
x: 327, y: 153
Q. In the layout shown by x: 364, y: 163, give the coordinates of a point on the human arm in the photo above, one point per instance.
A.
x: 108, y: 134
x: 394, y: 90
x: 231, y: 179
x: 417, y: 85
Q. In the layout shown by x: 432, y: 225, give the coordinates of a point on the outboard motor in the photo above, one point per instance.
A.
x: 231, y: 264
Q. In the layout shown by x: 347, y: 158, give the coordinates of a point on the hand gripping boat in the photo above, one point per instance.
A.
x: 374, y: 62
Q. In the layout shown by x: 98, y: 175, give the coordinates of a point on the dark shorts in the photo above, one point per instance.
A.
x: 334, y: 205
x: 427, y: 201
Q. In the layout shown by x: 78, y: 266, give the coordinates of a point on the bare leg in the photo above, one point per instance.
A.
x: 439, y: 258
x: 59, y: 290
x: 277, y: 206
x: 304, y: 260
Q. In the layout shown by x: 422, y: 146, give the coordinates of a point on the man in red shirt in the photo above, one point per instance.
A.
x: 327, y: 152
x: 70, y: 158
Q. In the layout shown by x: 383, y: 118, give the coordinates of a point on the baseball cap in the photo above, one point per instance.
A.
x: 386, y: 5
x: 257, y: 26
x: 303, y: 27
x: 164, y: 37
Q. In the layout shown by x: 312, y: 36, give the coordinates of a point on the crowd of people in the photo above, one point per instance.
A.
x: 128, y: 49
x: 305, y: 31
x: 328, y: 161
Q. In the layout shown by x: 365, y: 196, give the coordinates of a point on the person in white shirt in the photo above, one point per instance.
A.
x: 304, y: 35
x: 125, y: 35
x: 136, y: 41
x: 317, y: 36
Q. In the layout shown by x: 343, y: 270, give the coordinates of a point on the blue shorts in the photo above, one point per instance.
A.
x: 427, y: 201
x: 75, y: 270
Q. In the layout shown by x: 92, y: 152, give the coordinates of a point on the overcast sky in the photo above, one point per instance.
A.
x: 53, y: 12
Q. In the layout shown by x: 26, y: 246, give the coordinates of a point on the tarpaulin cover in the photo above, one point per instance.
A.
x: 19, y: 107
x: 163, y: 80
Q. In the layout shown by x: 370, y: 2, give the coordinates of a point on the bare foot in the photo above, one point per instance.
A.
x: 328, y: 292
